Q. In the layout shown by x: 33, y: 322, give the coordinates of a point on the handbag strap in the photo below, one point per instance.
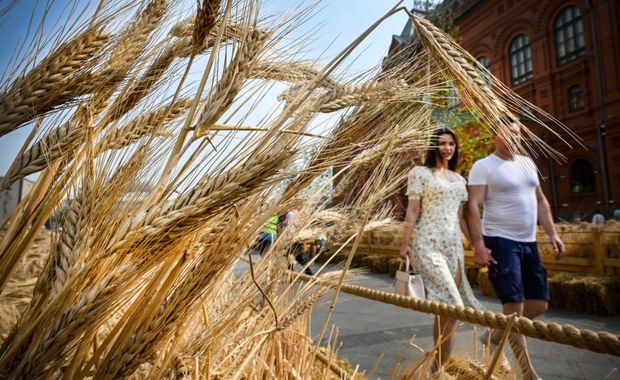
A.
x: 408, y: 265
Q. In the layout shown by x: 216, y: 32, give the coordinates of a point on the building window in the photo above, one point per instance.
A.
x: 486, y: 74
x: 582, y: 177
x: 484, y: 62
x: 520, y: 60
x: 453, y: 100
x: 570, y: 42
x: 575, y: 98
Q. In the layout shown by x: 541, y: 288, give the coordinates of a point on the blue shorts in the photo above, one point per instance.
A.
x: 519, y: 273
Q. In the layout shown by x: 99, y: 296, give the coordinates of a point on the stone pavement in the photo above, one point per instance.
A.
x: 374, y: 336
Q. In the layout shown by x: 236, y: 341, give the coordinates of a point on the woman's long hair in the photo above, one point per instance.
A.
x: 433, y: 152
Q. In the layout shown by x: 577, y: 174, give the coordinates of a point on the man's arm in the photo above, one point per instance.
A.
x: 411, y: 218
x: 546, y: 221
x: 482, y: 255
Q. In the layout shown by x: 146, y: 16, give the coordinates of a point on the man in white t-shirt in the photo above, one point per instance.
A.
x: 506, y: 185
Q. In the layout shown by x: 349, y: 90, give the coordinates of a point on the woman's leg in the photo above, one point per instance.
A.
x: 444, y: 328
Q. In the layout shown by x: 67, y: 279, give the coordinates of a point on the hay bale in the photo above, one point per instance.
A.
x: 586, y: 293
x: 375, y: 263
x: 484, y: 283
x: 471, y: 272
x: 388, y: 235
x: 393, y: 264
x: 610, y: 238
x: 340, y: 257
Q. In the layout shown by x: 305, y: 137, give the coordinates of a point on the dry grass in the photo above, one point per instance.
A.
x: 157, y: 205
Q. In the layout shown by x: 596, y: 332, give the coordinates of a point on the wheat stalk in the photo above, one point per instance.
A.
x: 204, y: 270
x: 213, y: 194
x: 146, y: 125
x: 290, y: 72
x: 145, y: 84
x: 61, y: 257
x: 132, y: 42
x: 53, y: 146
x: 223, y: 95
x: 347, y: 96
x: 51, y: 83
x: 186, y: 29
x: 46, y: 336
x: 300, y: 307
x: 128, y: 48
x: 205, y: 21
x: 47, y: 353
x: 74, y: 234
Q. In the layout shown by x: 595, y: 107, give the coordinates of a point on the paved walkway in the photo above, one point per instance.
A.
x: 374, y: 335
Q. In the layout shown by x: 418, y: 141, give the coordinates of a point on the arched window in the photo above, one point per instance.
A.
x: 569, y: 39
x: 484, y: 62
x: 582, y: 177
x: 575, y: 98
x: 520, y: 60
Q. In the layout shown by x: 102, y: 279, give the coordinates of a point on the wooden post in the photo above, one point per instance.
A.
x: 599, y: 251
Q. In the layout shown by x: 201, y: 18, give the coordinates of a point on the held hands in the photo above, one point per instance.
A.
x: 482, y: 256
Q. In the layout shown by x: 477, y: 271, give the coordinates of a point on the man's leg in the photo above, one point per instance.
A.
x: 529, y: 309
x: 513, y: 290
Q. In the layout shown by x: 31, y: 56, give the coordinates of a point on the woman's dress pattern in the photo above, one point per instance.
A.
x: 437, y: 247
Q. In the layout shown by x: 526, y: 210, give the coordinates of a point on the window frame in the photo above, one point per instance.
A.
x: 583, y: 177
x: 520, y: 60
x: 569, y: 34
x: 484, y: 61
x: 573, y: 92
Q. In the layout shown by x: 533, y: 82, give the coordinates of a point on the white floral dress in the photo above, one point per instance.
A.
x: 437, y: 247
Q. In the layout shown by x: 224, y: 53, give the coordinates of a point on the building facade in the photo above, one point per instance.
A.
x: 564, y: 57
x: 10, y: 197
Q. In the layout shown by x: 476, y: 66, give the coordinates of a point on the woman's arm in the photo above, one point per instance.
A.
x: 411, y: 218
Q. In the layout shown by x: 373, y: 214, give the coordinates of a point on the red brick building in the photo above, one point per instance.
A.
x: 563, y: 56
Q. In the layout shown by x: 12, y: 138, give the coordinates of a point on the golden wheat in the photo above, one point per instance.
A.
x: 205, y: 21
x: 139, y: 283
x: 53, y: 146
x: 51, y: 83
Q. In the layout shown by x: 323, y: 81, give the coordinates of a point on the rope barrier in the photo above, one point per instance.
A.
x: 602, y: 342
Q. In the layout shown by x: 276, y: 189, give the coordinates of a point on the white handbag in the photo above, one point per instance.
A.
x: 408, y: 283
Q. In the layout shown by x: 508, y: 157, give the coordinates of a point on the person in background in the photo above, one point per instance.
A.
x: 598, y: 218
x: 297, y: 249
x: 316, y: 246
x: 506, y: 186
x: 436, y: 198
x: 267, y: 235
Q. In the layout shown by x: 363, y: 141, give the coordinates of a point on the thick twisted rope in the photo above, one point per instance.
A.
x: 601, y: 342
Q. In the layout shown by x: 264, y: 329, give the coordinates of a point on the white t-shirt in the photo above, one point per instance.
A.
x: 510, y: 205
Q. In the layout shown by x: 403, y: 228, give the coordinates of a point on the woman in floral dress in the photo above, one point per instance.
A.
x: 436, y: 198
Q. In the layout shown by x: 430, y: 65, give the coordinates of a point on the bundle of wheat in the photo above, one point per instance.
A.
x: 577, y: 238
x: 586, y: 293
x: 161, y: 189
